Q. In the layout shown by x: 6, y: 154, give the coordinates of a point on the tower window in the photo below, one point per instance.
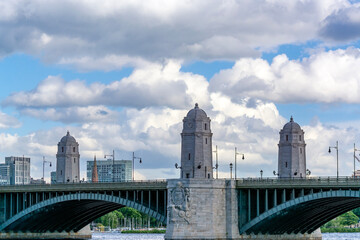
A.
x: 286, y: 164
x: 74, y: 160
x: 188, y: 175
x: 205, y: 126
x: 300, y: 137
x: 62, y: 149
x: 73, y: 149
x: 300, y: 150
x: 189, y: 157
x: 287, y: 137
x: 209, y: 175
x: 61, y: 172
x: 205, y: 140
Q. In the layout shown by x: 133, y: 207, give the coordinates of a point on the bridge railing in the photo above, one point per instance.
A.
x: 321, y: 180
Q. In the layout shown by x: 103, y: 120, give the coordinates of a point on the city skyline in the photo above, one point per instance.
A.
x: 122, y: 76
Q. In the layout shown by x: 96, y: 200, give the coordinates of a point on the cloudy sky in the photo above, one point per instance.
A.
x: 122, y: 75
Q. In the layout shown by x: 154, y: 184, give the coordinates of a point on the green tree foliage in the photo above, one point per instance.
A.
x: 356, y: 212
x: 129, y: 212
x: 346, y: 219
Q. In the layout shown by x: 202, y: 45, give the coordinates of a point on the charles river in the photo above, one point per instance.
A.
x: 121, y: 236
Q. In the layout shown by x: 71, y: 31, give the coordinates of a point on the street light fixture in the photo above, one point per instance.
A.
x: 43, y: 178
x: 237, y: 153
x: 133, y: 160
x: 337, y: 158
x: 275, y: 173
x: 261, y: 173
x: 308, y: 172
x: 231, y: 167
x: 113, y: 164
x: 355, y: 150
x: 216, y: 165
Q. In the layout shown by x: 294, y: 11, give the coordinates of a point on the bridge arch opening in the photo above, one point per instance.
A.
x: 70, y: 212
x: 304, y: 214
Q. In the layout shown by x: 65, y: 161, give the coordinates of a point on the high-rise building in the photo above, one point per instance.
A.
x: 4, y: 174
x: 19, y: 170
x: 196, y: 145
x: 292, y: 157
x: 120, y: 171
x: 67, y: 160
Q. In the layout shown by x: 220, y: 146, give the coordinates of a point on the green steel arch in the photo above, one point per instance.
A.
x: 70, y: 212
x: 303, y: 214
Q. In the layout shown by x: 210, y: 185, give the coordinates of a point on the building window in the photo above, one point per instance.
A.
x: 188, y: 175
x: 74, y: 160
x: 205, y: 126
x: 286, y: 164
x: 205, y: 140
x: 60, y: 172
x: 287, y: 137
x: 62, y: 149
x: 209, y: 175
x: 300, y: 137
x: 189, y: 157
x: 73, y: 149
x: 300, y: 150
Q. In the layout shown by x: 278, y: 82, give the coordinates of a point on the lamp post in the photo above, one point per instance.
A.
x: 231, y: 167
x: 275, y: 173
x: 337, y: 158
x: 133, y: 160
x: 355, y: 150
x: 216, y: 165
x: 179, y: 167
x: 261, y: 173
x: 237, y: 153
x: 43, y: 178
x: 113, y: 164
x: 308, y: 172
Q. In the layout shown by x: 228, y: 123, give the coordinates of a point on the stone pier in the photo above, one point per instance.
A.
x: 208, y: 209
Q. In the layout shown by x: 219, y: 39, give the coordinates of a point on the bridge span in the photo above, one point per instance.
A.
x: 191, y: 208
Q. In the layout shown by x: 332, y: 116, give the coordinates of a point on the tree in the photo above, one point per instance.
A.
x: 348, y: 219
x: 129, y: 212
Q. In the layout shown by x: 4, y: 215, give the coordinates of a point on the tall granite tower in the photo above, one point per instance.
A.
x: 196, y: 145
x: 292, y: 157
x: 67, y: 160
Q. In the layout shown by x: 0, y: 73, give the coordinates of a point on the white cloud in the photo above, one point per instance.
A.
x: 153, y: 85
x: 74, y: 114
x: 111, y: 34
x: 324, y: 77
x: 7, y: 121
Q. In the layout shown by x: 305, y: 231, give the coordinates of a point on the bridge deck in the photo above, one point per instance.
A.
x: 78, y: 187
x: 315, y: 182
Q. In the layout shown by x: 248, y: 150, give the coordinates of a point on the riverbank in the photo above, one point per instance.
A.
x: 340, y: 230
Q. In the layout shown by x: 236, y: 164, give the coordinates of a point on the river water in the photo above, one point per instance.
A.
x: 122, y: 236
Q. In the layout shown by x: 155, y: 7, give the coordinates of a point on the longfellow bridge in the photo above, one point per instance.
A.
x: 191, y: 208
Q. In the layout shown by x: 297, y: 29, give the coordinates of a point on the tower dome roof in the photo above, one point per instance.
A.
x: 196, y: 113
x: 291, y: 126
x: 67, y: 138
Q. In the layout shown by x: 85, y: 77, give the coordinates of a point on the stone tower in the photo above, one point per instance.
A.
x: 95, y: 177
x: 67, y: 160
x: 292, y: 157
x: 196, y: 145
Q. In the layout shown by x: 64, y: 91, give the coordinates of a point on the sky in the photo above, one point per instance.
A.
x: 122, y: 75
